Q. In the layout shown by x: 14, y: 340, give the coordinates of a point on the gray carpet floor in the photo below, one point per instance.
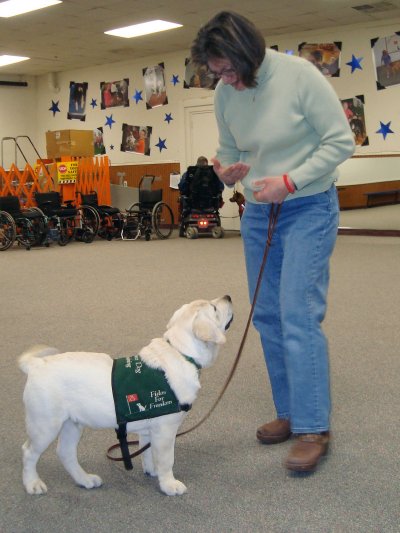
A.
x: 116, y: 296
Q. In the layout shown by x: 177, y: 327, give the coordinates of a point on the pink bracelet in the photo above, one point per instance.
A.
x: 289, y: 187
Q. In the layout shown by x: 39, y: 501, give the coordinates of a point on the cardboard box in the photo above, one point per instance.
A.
x: 78, y: 143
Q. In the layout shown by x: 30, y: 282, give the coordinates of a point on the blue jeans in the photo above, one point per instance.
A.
x: 291, y: 303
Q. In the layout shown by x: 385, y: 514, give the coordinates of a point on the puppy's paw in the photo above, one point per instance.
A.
x: 36, y: 487
x: 91, y: 481
x: 173, y: 487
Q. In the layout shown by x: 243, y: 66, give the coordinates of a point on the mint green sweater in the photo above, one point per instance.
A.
x: 291, y: 123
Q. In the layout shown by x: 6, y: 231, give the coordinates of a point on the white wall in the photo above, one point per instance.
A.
x: 135, y: 114
x: 383, y: 105
x: 18, y: 116
x: 26, y: 110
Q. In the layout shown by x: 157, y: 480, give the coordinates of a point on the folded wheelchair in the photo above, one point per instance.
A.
x: 65, y: 221
x: 26, y: 226
x: 149, y: 215
x: 200, y: 201
x: 109, y: 220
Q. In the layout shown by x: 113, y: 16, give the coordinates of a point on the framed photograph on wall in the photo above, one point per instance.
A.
x: 99, y: 148
x: 136, y: 139
x: 325, y: 56
x: 114, y: 93
x: 77, y: 101
x: 386, y: 58
x: 197, y: 78
x: 354, y: 110
x: 155, y: 86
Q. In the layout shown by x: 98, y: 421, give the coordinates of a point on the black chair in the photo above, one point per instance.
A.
x: 65, y: 220
x: 201, y: 198
x: 149, y: 214
x: 109, y: 219
x: 29, y: 226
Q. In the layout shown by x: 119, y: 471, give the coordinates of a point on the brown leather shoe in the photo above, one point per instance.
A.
x: 307, y: 451
x: 273, y: 432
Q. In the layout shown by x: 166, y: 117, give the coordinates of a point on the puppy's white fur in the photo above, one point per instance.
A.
x: 67, y: 391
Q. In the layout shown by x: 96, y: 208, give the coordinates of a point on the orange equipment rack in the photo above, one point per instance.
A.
x: 93, y: 175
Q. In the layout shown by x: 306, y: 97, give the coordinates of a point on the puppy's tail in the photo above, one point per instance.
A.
x: 33, y: 357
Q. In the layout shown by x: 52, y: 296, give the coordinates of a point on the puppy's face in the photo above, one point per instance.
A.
x: 205, y: 320
x: 237, y: 197
x: 233, y: 198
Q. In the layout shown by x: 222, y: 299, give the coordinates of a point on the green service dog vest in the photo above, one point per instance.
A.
x: 141, y: 392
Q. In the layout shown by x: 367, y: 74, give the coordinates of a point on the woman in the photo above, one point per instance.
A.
x: 282, y: 132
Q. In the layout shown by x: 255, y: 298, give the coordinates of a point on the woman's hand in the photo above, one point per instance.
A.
x: 231, y: 174
x: 270, y: 189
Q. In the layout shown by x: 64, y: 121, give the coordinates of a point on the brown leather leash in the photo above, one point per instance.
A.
x: 273, y: 218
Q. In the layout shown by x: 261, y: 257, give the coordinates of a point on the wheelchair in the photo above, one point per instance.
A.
x: 26, y: 226
x: 109, y: 220
x: 149, y: 215
x: 66, y: 221
x: 200, y: 200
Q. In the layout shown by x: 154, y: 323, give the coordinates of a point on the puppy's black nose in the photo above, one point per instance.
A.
x: 227, y: 297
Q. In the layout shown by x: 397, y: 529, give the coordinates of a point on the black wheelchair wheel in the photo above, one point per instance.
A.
x: 192, y: 232
x: 217, y: 232
x: 66, y: 231
x: 26, y: 235
x: 117, y: 225
x: 40, y: 227
x: 8, y: 231
x: 88, y: 236
x: 135, y: 208
x: 90, y: 219
x: 162, y: 220
x: 63, y: 239
x: 110, y: 226
x: 131, y: 226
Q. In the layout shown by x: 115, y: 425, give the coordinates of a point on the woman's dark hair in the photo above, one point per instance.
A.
x: 231, y: 36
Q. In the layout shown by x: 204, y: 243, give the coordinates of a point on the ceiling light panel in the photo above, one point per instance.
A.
x: 9, y: 60
x: 153, y: 26
x: 11, y: 8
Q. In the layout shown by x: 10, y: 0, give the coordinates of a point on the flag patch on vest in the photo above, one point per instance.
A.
x: 141, y: 392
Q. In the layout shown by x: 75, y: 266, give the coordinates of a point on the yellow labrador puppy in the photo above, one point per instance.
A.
x: 67, y: 391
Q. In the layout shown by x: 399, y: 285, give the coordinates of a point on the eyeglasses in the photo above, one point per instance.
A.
x: 225, y: 73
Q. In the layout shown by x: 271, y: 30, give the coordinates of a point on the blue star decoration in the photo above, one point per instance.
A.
x: 355, y: 63
x: 175, y: 79
x: 137, y: 96
x: 385, y: 129
x: 109, y: 121
x: 168, y: 117
x: 93, y: 103
x: 161, y: 144
x: 54, y: 107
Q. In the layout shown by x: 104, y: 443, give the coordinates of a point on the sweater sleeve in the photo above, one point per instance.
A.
x: 323, y: 111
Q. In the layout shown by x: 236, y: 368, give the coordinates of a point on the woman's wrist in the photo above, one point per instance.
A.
x: 289, y: 184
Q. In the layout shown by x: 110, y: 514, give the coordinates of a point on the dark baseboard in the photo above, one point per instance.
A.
x: 370, y: 232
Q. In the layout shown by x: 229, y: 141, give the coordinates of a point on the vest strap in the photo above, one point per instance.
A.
x: 191, y: 360
x: 121, y: 435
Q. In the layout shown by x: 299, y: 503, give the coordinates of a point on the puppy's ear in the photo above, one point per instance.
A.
x: 206, y: 330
